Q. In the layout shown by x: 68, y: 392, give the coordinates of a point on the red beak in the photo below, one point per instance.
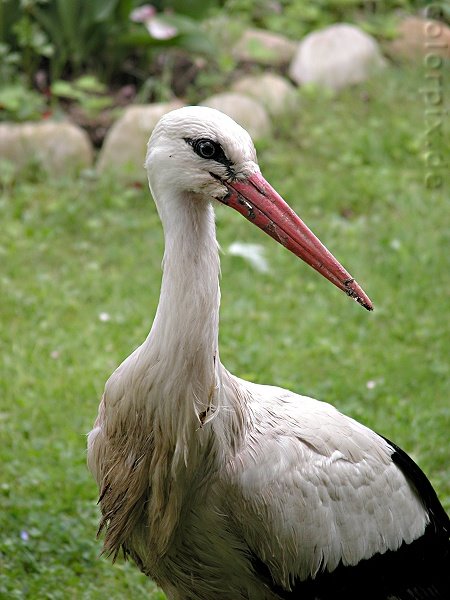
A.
x: 262, y: 205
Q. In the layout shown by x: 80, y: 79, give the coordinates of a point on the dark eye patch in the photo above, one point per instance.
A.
x: 210, y: 150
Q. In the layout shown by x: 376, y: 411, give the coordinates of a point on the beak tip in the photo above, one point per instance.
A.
x: 353, y: 289
x: 367, y: 305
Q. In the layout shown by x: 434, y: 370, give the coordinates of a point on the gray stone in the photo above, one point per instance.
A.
x: 124, y: 148
x: 274, y: 92
x: 335, y: 57
x: 59, y: 148
x: 264, y: 47
x: 418, y: 38
x: 246, y: 111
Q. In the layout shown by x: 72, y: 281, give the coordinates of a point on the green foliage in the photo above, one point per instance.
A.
x: 30, y: 36
x: 190, y: 36
x: 67, y: 39
x: 87, y: 91
x: 62, y: 40
x: 196, y: 9
x: 19, y: 103
x: 352, y: 167
x: 20, y: 33
x: 83, y: 33
x: 295, y: 19
x: 9, y: 62
x: 76, y: 36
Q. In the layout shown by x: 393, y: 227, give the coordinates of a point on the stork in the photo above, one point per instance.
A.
x: 221, y: 489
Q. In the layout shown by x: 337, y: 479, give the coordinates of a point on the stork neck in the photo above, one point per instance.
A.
x: 186, y: 322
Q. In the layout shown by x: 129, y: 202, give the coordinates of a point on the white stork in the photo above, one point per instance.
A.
x: 221, y: 489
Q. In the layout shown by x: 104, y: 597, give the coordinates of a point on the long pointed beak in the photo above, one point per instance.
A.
x: 262, y: 205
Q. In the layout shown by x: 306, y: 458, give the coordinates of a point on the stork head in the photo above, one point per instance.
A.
x: 201, y: 153
x: 197, y: 149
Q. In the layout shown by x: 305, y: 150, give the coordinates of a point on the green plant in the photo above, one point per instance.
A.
x: 65, y: 39
x: 68, y: 34
x: 83, y: 33
x: 33, y: 43
x: 19, y: 103
x: 71, y: 37
x: 295, y: 19
x: 168, y: 38
x: 87, y: 91
x: 187, y: 34
x: 23, y: 42
x: 9, y: 64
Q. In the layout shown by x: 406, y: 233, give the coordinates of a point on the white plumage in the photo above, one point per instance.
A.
x: 221, y: 489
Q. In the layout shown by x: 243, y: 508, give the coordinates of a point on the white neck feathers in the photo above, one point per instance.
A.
x: 159, y: 398
x: 185, y: 329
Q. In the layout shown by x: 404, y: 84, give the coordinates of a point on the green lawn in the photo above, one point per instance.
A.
x: 79, y: 283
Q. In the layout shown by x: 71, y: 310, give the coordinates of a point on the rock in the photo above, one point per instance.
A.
x: 274, y: 92
x: 335, y: 57
x: 418, y: 38
x: 124, y: 148
x: 59, y: 148
x: 264, y: 47
x: 246, y: 111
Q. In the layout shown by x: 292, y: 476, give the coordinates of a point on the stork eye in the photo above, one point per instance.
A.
x: 210, y: 150
x: 206, y: 148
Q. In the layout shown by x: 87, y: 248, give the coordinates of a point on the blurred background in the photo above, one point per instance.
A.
x: 85, y: 61
x: 347, y: 102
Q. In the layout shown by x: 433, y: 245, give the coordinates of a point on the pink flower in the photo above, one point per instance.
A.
x: 157, y: 27
x: 143, y: 13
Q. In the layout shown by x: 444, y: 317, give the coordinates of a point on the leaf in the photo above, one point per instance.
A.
x: 19, y: 103
x: 103, y: 10
x: 95, y: 104
x: 139, y: 39
x: 197, y: 9
x: 197, y: 44
x: 182, y: 23
x: 65, y: 89
x: 90, y: 83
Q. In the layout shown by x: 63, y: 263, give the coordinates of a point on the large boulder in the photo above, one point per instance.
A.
x: 335, y: 57
x: 246, y: 111
x: 124, y: 148
x: 59, y: 148
x: 274, y: 92
x: 418, y: 38
x: 264, y: 47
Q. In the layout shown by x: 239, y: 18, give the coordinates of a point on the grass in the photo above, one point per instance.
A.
x: 79, y: 277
